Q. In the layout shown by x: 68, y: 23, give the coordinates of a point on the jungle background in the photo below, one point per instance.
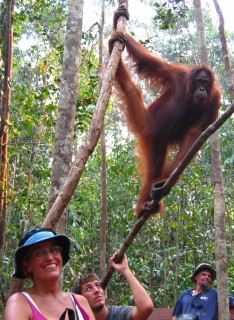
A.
x: 168, y: 247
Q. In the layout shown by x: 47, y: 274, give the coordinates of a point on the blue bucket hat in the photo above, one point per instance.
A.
x: 38, y: 235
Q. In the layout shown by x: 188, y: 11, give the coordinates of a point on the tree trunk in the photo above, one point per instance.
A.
x: 223, y: 41
x: 67, y: 105
x: 165, y: 263
x: 219, y: 199
x: 103, y: 151
x: 178, y: 231
x: 104, y: 209
x: 220, y: 234
x: 229, y: 74
x: 95, y: 129
x: 5, y: 100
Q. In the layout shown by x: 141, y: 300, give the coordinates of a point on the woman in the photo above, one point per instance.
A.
x: 41, y: 256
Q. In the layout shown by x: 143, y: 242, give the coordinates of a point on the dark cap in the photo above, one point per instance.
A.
x: 199, y: 268
x: 36, y: 236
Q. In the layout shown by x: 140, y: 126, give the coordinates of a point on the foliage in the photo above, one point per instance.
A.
x: 169, y: 246
x: 88, y: 85
x: 168, y: 12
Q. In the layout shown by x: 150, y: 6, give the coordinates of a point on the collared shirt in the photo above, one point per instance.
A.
x: 204, y: 304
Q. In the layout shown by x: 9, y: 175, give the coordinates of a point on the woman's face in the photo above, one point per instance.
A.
x: 44, y: 261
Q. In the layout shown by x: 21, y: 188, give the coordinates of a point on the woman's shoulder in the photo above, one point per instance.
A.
x: 17, y: 300
x: 18, y: 296
x: 84, y: 307
x: 79, y: 298
x: 18, y: 307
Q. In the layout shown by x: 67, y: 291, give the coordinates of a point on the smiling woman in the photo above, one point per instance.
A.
x: 32, y: 242
x: 41, y: 256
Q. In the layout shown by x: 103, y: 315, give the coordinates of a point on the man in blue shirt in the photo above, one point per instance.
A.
x: 202, y: 300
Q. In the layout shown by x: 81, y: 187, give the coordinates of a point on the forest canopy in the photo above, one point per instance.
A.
x: 169, y: 246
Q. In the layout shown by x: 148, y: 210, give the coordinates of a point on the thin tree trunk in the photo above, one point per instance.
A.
x: 5, y: 101
x: 165, y: 263
x: 223, y: 41
x: 67, y: 105
x: 104, y: 208
x: 178, y: 231
x: 229, y: 74
x: 220, y: 233
x: 93, y: 136
x: 219, y: 198
x: 103, y: 151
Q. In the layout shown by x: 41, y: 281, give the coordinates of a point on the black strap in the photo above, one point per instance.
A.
x: 71, y: 314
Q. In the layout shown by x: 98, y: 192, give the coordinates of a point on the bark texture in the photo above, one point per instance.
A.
x: 219, y: 197
x: 67, y: 105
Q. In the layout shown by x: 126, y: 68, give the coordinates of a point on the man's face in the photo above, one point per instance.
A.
x: 203, y: 279
x: 95, y: 295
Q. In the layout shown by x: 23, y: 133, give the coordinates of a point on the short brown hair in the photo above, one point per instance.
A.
x: 80, y: 281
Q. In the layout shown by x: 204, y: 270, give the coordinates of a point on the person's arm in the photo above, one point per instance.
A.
x: 143, y: 303
x: 178, y: 308
x: 17, y: 308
